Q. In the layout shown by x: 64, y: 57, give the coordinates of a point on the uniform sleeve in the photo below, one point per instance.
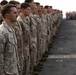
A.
x: 2, y: 41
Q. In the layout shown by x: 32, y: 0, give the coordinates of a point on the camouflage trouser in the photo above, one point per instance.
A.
x: 39, y: 50
x: 46, y: 44
x: 26, y: 62
x: 32, y: 61
x: 26, y: 66
x: 6, y: 73
x: 12, y: 74
x: 33, y: 58
x: 43, y: 45
x: 1, y: 21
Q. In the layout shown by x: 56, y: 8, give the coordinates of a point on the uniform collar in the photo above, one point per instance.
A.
x: 6, y: 26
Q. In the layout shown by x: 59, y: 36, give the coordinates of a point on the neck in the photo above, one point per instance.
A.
x: 22, y: 15
x: 44, y: 13
x: 8, y: 23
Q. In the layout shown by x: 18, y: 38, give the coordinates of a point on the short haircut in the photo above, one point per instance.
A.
x: 6, y: 9
x: 41, y: 6
x: 28, y: 1
x: 14, y: 2
x: 0, y: 5
x: 24, y: 5
x: 50, y: 6
x: 4, y: 2
x: 46, y: 6
x: 37, y: 3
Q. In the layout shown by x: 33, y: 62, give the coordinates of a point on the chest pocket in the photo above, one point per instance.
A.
x: 11, y: 39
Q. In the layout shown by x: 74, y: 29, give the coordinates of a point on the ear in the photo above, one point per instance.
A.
x: 23, y: 10
x: 7, y: 15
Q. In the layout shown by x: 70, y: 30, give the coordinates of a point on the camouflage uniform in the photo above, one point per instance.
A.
x: 26, y: 43
x: 1, y: 19
x: 44, y: 34
x: 33, y: 43
x: 18, y: 32
x: 55, y: 25
x: 8, y: 51
x: 49, y: 20
x: 39, y: 33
